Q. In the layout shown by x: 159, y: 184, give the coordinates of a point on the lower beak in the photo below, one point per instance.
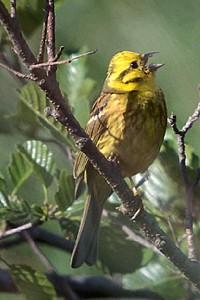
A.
x: 155, y: 67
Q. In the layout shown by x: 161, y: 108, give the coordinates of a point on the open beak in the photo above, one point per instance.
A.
x: 152, y: 67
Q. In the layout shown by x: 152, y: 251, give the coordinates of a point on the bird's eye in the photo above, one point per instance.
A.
x: 134, y: 65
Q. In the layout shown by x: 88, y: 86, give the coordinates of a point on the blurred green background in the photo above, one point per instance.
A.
x: 170, y: 27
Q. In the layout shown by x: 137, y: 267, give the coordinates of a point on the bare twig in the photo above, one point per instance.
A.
x: 193, y: 118
x: 68, y: 291
x: 15, y: 73
x: 58, y: 55
x: 189, y: 187
x: 38, y: 252
x: 19, y: 229
x: 40, y: 57
x: 51, y: 31
x: 62, y: 62
x: 51, y: 38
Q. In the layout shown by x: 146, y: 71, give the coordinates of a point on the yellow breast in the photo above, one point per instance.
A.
x: 136, y: 124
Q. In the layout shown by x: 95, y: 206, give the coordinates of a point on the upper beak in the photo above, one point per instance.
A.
x: 146, y: 56
x: 152, y: 67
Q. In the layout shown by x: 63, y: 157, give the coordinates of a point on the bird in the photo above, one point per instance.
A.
x: 127, y: 123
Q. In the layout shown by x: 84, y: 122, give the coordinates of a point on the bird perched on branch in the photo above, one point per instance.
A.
x: 127, y: 123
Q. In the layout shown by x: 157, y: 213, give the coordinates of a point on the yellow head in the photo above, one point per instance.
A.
x: 128, y: 72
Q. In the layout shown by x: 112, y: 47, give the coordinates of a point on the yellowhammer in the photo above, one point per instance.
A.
x: 127, y: 123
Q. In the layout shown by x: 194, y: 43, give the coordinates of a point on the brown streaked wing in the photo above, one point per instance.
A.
x: 96, y: 125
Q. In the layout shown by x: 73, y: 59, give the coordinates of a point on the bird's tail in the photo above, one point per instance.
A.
x: 85, y: 249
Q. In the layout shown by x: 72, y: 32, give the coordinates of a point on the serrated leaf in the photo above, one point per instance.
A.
x: 31, y: 283
x: 36, y: 101
x: 41, y: 160
x: 65, y: 194
x: 19, y: 169
x: 13, y: 210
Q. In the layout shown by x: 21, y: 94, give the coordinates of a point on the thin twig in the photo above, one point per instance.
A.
x: 51, y: 31
x: 38, y: 252
x: 58, y: 55
x: 193, y: 118
x: 189, y: 187
x: 62, y: 62
x: 51, y: 39
x: 19, y: 229
x: 40, y: 57
x: 16, y: 73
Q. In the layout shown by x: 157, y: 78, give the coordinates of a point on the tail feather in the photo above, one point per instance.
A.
x: 85, y: 249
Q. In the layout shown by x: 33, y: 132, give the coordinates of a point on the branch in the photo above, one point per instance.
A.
x: 189, y: 187
x: 15, y: 73
x: 19, y: 229
x: 42, y: 236
x: 62, y: 62
x: 85, y: 287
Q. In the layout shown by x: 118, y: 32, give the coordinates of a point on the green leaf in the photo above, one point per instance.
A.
x: 14, y: 210
x: 159, y: 278
x: 120, y: 253
x: 65, y: 194
x: 163, y: 183
x: 26, y: 121
x: 41, y: 160
x: 31, y: 283
x: 40, y: 212
x: 3, y: 185
x: 19, y: 169
x: 34, y: 98
x: 31, y: 14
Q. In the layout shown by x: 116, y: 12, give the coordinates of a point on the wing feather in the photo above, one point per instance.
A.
x: 96, y: 125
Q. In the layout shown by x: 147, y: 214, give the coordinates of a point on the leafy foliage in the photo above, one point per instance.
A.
x: 65, y: 194
x: 35, y: 100
x: 32, y: 284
